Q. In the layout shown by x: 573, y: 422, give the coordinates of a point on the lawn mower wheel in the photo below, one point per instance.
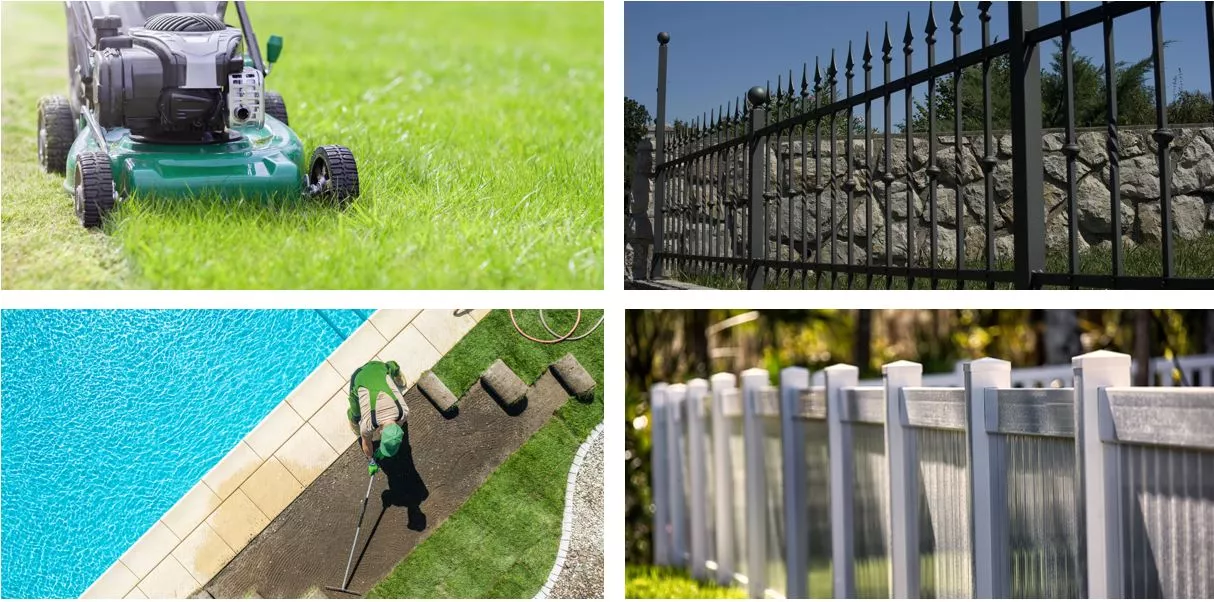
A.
x: 94, y: 190
x: 334, y: 174
x: 276, y: 107
x: 56, y: 132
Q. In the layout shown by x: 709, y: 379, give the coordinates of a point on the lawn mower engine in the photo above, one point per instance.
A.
x: 180, y: 78
x: 167, y: 100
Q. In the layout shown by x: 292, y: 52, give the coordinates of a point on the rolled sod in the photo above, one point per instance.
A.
x: 573, y: 376
x: 436, y: 391
x: 503, y: 384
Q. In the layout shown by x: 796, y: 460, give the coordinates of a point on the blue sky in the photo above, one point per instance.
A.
x: 718, y: 50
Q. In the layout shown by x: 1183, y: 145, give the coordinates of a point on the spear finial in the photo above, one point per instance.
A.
x: 908, y: 37
x: 886, y: 46
x: 931, y: 24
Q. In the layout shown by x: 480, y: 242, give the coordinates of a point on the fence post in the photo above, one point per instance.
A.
x: 658, y: 486
x: 903, y: 457
x: 659, y: 157
x: 1028, y: 224
x: 697, y: 389
x: 992, y: 578
x: 676, y: 396
x: 753, y: 381
x: 640, y: 228
x: 757, y: 211
x: 722, y: 473
x: 1099, y: 475
x: 793, y: 381
x: 842, y: 480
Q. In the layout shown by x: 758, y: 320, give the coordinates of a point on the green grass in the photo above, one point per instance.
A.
x: 1191, y: 259
x: 503, y: 541
x: 871, y: 581
x: 478, y: 130
x: 667, y: 582
x: 495, y: 337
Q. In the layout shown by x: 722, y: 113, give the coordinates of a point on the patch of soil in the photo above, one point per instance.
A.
x: 443, y: 461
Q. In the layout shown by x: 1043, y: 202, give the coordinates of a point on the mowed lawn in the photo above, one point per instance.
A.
x: 478, y: 130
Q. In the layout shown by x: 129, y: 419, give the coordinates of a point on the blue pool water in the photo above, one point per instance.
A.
x: 109, y: 417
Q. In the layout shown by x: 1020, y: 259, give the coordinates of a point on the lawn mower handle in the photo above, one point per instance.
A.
x: 250, y: 38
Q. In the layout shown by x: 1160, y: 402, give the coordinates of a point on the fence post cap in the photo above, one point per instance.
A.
x: 697, y: 383
x: 663, y: 38
x: 755, y: 377
x: 900, y: 365
x: 987, y: 364
x: 657, y: 395
x: 757, y: 96
x: 677, y: 389
x: 841, y: 368
x: 1101, y: 355
x: 723, y: 380
x: 796, y: 376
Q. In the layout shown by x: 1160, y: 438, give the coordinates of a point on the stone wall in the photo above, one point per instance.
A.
x: 714, y: 197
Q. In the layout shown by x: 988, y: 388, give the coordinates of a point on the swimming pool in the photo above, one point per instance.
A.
x: 109, y: 417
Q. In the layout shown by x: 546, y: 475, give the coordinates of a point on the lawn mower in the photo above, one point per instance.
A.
x: 167, y: 100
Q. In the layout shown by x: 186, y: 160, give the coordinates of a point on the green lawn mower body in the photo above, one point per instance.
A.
x: 168, y: 101
x: 265, y: 163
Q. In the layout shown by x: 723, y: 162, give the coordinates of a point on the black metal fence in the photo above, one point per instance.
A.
x: 740, y: 194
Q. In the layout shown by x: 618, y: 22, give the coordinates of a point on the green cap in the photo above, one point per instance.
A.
x: 389, y: 442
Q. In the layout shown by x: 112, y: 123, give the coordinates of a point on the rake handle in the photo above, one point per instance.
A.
x: 345, y: 582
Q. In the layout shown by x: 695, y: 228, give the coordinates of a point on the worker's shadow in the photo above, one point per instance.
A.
x: 405, y: 486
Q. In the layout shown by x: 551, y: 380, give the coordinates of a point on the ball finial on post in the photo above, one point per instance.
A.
x: 663, y: 38
x: 757, y: 96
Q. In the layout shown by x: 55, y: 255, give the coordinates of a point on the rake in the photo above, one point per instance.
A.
x: 345, y: 583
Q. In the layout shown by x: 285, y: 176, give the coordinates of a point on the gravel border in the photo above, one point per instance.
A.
x: 578, y: 571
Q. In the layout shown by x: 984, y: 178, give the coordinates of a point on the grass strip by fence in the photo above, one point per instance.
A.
x: 494, y: 337
x: 666, y: 582
x: 502, y: 542
x: 1192, y: 259
x: 646, y: 582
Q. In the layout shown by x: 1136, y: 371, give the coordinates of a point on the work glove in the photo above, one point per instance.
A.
x: 372, y: 467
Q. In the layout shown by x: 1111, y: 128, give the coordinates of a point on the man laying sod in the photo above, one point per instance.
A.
x: 377, y: 407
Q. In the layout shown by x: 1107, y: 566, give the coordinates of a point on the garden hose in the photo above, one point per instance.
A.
x: 579, y: 337
x: 567, y: 337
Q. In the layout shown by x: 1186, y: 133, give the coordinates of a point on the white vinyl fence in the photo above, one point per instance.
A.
x: 976, y: 486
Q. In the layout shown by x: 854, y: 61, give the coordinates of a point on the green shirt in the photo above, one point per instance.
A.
x: 370, y: 387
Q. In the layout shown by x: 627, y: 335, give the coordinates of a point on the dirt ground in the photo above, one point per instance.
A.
x: 445, y: 460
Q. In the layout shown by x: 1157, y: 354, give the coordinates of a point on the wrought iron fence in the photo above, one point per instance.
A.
x: 985, y: 490
x: 740, y: 194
